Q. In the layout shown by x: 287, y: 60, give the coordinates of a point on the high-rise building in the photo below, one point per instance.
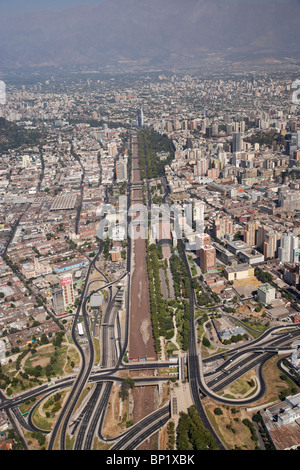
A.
x: 140, y: 117
x: 222, y: 226
x: 176, y: 124
x: 288, y: 252
x: 215, y: 129
x: 270, y: 246
x: 207, y: 258
x: 58, y: 300
x: 208, y: 132
x: 268, y: 240
x: 169, y: 126
x: 291, y: 274
x: 237, y: 143
x: 185, y: 125
x: 201, y: 167
x: 68, y: 290
x: 202, y: 240
x: 250, y: 231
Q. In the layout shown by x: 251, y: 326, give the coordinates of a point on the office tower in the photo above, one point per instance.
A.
x: 185, y: 125
x: 229, y: 128
x: 207, y: 258
x: 58, y: 300
x: 140, y: 117
x: 169, y: 126
x: 237, y: 142
x: 201, y: 167
x: 198, y: 218
x: 291, y: 274
x: 250, y: 231
x: 236, y: 126
x: 194, y: 124
x: 67, y: 288
x: 189, y: 143
x: 215, y: 128
x: 267, y: 234
x: 202, y: 239
x: 203, y: 126
x: 242, y: 126
x: 294, y: 126
x: 176, y: 125
x: 222, y: 155
x: 222, y: 226
x: 208, y: 132
x: 288, y: 252
x: 270, y: 243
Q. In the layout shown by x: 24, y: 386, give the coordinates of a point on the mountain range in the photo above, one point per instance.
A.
x: 153, y: 32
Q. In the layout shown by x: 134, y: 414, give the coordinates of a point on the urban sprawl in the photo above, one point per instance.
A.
x: 138, y: 337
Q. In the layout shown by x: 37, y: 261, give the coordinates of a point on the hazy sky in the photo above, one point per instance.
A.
x: 21, y: 6
x: 8, y: 7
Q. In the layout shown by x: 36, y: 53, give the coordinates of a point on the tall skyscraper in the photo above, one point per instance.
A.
x: 201, y: 167
x: 237, y: 142
x: 140, y: 117
x: 250, y: 231
x: 207, y: 257
x: 58, y: 300
x: 201, y: 241
x: 270, y: 246
x: 288, y: 252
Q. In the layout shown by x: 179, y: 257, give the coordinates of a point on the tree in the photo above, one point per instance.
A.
x: 206, y: 342
x: 130, y: 382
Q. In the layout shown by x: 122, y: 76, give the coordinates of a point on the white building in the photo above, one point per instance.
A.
x: 266, y: 293
x: 292, y: 412
x: 288, y: 252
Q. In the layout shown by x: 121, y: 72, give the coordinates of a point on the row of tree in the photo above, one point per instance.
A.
x: 192, y: 434
x: 180, y: 277
x: 160, y: 315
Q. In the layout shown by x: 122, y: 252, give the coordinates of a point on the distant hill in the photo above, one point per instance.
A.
x: 154, y: 32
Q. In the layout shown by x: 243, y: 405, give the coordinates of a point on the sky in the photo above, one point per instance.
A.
x: 13, y: 7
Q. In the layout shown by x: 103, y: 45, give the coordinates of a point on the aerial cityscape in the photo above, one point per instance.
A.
x: 149, y: 225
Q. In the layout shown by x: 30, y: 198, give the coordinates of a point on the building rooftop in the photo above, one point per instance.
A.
x: 266, y: 287
x: 238, y: 267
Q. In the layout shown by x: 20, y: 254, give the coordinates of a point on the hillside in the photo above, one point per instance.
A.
x: 156, y: 32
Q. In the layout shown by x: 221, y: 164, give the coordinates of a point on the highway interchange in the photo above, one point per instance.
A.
x: 206, y: 377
